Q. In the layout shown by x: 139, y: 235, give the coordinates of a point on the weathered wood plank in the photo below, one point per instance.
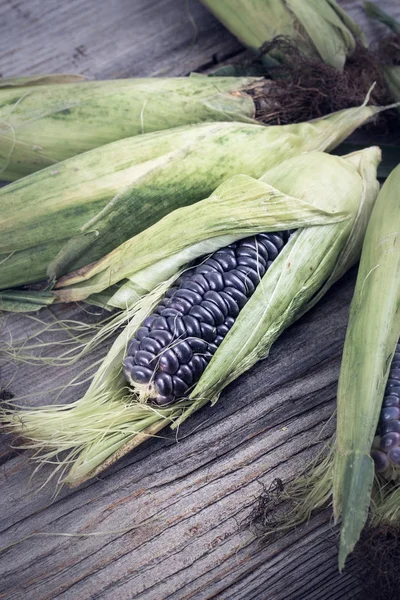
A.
x: 125, y: 38
x: 169, y: 519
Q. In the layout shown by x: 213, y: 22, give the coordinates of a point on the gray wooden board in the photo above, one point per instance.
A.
x: 170, y: 519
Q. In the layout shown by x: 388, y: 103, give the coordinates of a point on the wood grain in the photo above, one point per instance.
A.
x: 170, y: 520
x: 124, y: 38
x: 187, y: 503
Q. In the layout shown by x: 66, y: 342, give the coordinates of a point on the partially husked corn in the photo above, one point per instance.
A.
x: 325, y: 200
x: 171, y: 350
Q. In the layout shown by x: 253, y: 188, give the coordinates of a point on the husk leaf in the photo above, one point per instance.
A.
x: 44, y: 120
x: 331, y: 30
x: 88, y: 205
x: 24, y: 300
x: 240, y: 206
x: 141, y: 281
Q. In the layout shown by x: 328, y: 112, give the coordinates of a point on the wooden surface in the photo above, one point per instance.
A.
x: 170, y: 520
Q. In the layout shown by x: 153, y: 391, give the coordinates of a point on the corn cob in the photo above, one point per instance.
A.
x: 320, y: 28
x: 42, y: 122
x: 325, y: 199
x: 169, y: 353
x: 73, y: 214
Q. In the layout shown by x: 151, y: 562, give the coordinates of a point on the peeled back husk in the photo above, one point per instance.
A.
x: 72, y: 214
x: 320, y: 28
x: 326, y: 200
x: 48, y: 119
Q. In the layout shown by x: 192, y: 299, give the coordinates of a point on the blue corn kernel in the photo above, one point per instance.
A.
x: 389, y: 440
x: 394, y: 456
x: 391, y: 413
x: 381, y: 460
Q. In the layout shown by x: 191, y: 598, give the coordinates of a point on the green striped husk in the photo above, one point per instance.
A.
x: 69, y: 215
x: 47, y: 119
x: 326, y: 199
x: 320, y: 28
x: 372, y: 334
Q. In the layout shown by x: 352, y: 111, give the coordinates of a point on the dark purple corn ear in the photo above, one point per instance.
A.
x: 174, y: 345
x: 388, y: 452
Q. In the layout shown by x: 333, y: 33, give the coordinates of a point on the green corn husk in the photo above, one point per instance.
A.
x: 347, y: 472
x: 86, y: 206
x: 320, y: 28
x: 49, y: 119
x: 326, y: 199
x: 372, y: 334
